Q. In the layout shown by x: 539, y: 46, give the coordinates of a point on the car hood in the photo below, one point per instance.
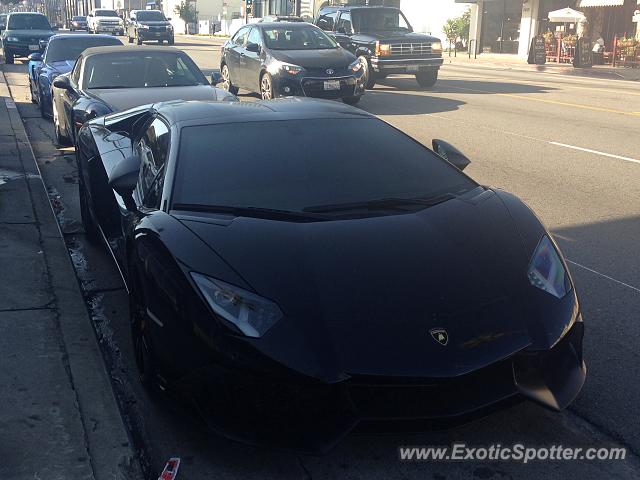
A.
x: 334, y: 58
x: 25, y: 34
x: 408, y: 37
x: 361, y: 296
x: 157, y: 23
x: 61, y: 67
x: 124, y: 98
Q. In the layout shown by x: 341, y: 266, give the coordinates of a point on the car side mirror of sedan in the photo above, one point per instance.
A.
x: 62, y: 82
x: 35, y: 57
x: 216, y: 78
x: 451, y: 154
x: 253, y: 47
x: 124, y: 178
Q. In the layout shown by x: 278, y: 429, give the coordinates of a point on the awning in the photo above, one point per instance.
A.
x: 600, y: 3
x: 566, y: 15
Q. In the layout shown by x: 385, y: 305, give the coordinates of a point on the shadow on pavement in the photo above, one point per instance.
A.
x: 446, y: 85
x: 390, y: 102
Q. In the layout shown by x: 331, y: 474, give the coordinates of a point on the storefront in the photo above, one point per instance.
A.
x: 610, y: 19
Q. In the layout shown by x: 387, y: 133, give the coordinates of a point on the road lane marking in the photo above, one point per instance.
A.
x: 596, y: 152
x: 604, y: 276
x: 544, y: 100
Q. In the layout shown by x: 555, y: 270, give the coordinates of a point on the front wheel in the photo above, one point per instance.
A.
x: 266, y: 87
x: 43, y: 112
x: 427, y: 78
x: 351, y: 100
x: 138, y: 40
x: 171, y: 41
x: 226, y: 81
x: 61, y: 140
x: 90, y: 227
x: 8, y: 58
x: 369, y: 76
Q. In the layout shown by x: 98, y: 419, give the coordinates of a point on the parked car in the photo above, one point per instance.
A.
x: 384, y: 41
x: 103, y: 20
x: 145, y: 25
x: 78, y: 22
x: 286, y: 59
x: 369, y: 278
x: 59, y: 57
x: 26, y: 33
x: 111, y: 79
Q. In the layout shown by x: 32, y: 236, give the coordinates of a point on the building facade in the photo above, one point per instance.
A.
x: 507, y: 26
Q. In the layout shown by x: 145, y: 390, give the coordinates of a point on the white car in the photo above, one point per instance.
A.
x: 102, y: 20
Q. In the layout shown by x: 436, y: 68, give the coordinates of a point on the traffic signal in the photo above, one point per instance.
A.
x: 249, y: 4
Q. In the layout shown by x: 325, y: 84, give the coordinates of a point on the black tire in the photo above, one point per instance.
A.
x: 43, y: 113
x: 171, y: 41
x: 138, y: 40
x: 369, y: 75
x: 61, y: 140
x: 352, y: 100
x: 8, y: 58
x: 266, y: 86
x: 142, y: 344
x: 226, y: 81
x: 33, y: 99
x: 427, y: 78
x: 90, y: 227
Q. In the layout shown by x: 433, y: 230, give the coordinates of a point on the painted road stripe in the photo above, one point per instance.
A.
x: 604, y: 276
x: 596, y: 152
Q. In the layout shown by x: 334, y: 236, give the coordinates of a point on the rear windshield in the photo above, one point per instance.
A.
x: 106, y: 13
x: 365, y: 160
x: 150, y: 16
x: 70, y: 48
x: 141, y: 70
x: 297, y: 38
x: 28, y: 22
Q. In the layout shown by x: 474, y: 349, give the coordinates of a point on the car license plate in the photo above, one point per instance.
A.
x: 412, y: 68
x: 34, y: 48
x: 332, y: 85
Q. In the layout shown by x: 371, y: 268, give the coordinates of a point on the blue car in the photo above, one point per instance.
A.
x: 58, y: 58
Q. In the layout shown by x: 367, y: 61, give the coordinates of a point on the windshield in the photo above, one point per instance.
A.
x: 380, y: 20
x: 141, y: 70
x: 106, y: 13
x: 60, y: 49
x: 150, y: 16
x: 28, y: 22
x: 366, y: 160
x: 79, y: 18
x: 297, y: 38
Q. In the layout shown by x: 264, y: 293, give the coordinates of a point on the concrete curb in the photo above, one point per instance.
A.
x: 106, y: 438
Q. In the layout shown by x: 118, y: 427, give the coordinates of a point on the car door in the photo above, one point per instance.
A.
x: 344, y: 30
x: 233, y: 55
x: 250, y: 70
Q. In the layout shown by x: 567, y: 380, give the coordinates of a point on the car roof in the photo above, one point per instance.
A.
x: 26, y: 13
x: 65, y: 36
x: 134, y: 49
x: 287, y: 24
x: 212, y: 112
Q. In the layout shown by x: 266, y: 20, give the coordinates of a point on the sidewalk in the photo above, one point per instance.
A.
x: 58, y: 415
x: 514, y: 62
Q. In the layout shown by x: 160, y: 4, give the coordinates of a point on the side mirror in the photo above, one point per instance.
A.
x: 216, y: 78
x: 124, y: 177
x: 35, y: 57
x: 253, y: 47
x: 168, y: 19
x: 62, y: 82
x: 451, y: 154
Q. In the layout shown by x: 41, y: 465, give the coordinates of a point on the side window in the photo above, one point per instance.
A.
x: 75, y: 74
x: 241, y: 36
x: 344, y: 23
x: 153, y: 149
x: 326, y: 20
x: 255, y: 36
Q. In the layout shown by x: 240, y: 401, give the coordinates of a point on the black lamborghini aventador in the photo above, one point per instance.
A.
x: 299, y: 292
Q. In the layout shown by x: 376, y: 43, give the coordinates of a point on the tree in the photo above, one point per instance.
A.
x: 452, y: 30
x: 464, y: 24
x: 187, y: 13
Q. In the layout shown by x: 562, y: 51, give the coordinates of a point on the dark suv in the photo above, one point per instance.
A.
x: 149, y: 25
x: 25, y: 33
x: 384, y: 41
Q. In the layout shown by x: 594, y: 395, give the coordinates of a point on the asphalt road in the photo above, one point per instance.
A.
x: 568, y: 146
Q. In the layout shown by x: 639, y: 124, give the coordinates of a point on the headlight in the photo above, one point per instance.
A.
x: 13, y: 39
x: 252, y: 314
x: 383, y: 49
x: 169, y: 27
x: 291, y: 69
x: 546, y: 270
x: 436, y: 47
x: 356, y: 66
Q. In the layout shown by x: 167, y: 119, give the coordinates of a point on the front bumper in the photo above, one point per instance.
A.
x: 315, y: 87
x: 108, y: 29
x: 404, y: 65
x: 309, y: 416
x: 22, y: 49
x: 155, y: 35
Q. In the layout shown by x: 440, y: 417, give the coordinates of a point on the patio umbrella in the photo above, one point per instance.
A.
x: 567, y: 15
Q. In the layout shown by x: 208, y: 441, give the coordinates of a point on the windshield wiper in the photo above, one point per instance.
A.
x: 108, y: 87
x: 389, y: 203
x: 248, y: 211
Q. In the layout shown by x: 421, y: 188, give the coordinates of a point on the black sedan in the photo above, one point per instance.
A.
x: 290, y: 59
x: 78, y: 22
x: 369, y: 279
x: 110, y: 79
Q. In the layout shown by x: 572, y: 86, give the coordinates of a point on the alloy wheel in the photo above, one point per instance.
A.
x: 266, y: 89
